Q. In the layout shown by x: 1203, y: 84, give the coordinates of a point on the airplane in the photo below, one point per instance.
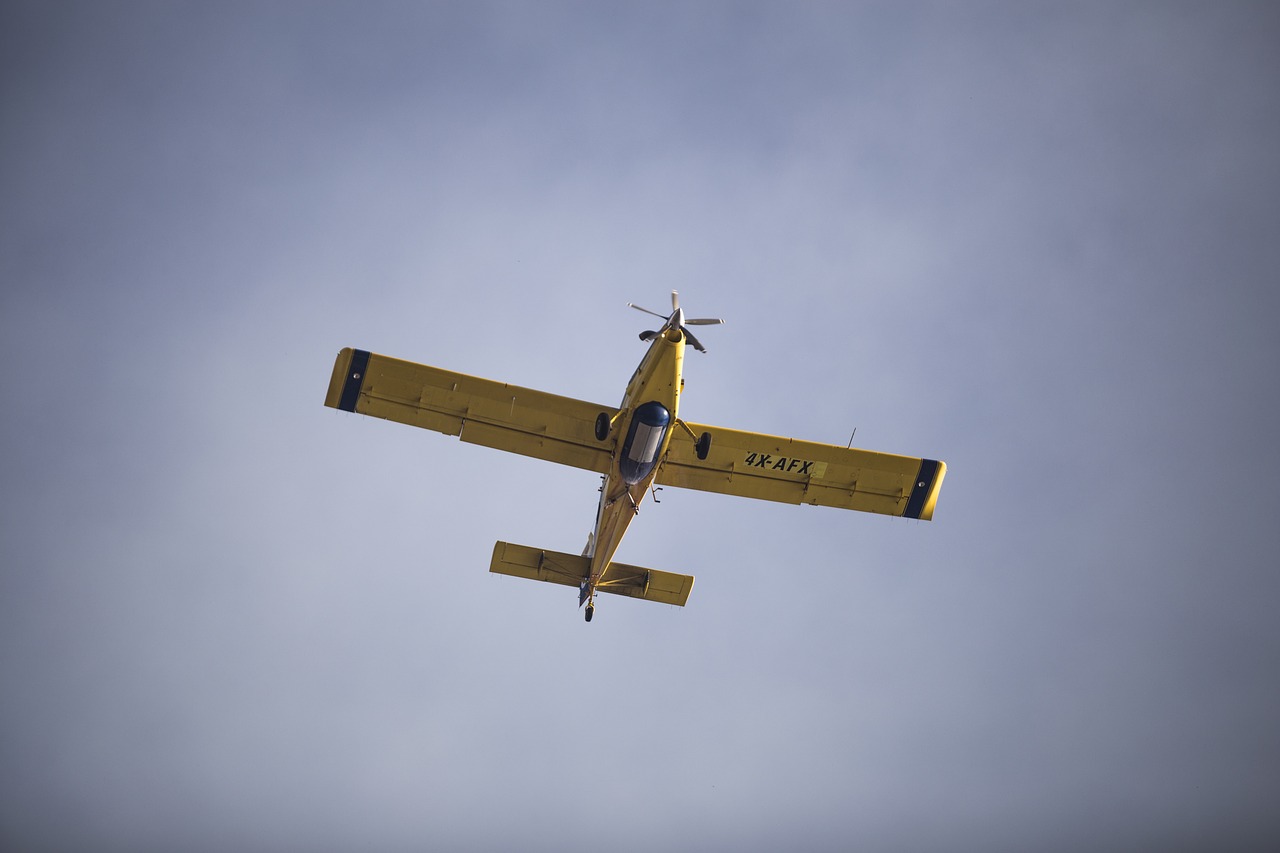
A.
x: 634, y: 447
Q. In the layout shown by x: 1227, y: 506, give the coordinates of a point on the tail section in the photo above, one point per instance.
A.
x: 571, y: 570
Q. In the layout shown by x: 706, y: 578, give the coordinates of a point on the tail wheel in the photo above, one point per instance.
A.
x: 602, y: 426
x: 703, y: 445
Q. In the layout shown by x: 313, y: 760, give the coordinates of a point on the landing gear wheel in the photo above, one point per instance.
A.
x: 703, y: 445
x: 602, y: 426
x: 591, y: 611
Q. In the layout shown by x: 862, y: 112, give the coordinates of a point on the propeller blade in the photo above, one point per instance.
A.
x: 677, y: 319
x: 646, y: 310
x: 691, y: 339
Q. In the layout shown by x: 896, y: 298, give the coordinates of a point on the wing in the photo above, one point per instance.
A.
x: 752, y: 465
x: 480, y: 411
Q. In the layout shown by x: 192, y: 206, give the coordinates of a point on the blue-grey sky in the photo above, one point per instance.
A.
x: 1038, y: 241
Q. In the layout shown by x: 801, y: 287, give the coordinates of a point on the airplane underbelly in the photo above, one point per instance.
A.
x: 616, y: 514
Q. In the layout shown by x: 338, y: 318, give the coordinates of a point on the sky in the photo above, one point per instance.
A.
x: 1037, y: 241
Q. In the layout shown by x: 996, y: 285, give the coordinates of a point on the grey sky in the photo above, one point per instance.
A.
x: 1037, y: 241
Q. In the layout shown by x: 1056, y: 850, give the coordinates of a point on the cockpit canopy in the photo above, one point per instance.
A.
x: 640, y: 451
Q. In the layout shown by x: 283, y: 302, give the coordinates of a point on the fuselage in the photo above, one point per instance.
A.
x: 642, y: 428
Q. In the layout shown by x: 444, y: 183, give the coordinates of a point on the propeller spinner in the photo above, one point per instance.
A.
x: 677, y: 320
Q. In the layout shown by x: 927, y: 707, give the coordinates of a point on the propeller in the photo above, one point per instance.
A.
x: 677, y: 320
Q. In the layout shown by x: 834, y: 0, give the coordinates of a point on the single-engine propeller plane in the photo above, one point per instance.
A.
x: 635, y: 446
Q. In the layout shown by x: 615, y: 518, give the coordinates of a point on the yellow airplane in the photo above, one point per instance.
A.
x: 634, y: 447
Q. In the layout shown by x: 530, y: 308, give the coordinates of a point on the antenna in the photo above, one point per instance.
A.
x: 851, y: 435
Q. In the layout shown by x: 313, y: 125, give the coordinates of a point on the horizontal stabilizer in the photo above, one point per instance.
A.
x: 571, y: 570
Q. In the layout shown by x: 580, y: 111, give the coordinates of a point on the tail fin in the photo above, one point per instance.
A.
x: 570, y: 570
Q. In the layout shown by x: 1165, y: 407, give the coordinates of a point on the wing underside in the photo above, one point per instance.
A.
x: 479, y: 411
x: 768, y: 467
